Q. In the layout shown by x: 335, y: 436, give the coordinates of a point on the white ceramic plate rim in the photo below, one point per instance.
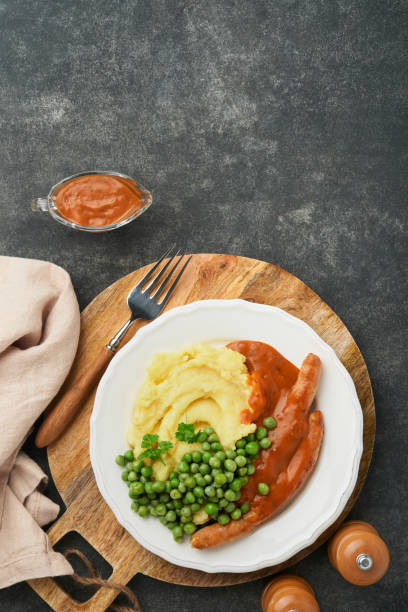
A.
x: 264, y: 560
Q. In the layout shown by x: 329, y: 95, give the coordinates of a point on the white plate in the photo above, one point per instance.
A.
x: 326, y: 492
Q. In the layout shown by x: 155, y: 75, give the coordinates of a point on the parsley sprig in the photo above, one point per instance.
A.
x: 186, y: 433
x: 154, y: 448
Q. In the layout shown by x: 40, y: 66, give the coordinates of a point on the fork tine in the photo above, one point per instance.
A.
x: 174, y: 283
x: 150, y: 272
x: 155, y: 281
x: 160, y: 290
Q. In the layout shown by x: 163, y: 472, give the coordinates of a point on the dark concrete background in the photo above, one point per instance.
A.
x: 271, y: 129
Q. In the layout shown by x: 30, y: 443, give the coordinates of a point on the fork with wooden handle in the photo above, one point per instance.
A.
x: 143, y: 303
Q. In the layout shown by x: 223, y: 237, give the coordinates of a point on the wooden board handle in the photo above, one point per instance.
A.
x: 66, y: 408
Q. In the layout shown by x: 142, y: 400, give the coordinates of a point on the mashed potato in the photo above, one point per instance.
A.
x: 200, y: 384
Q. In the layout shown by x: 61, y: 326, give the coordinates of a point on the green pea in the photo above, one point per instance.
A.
x: 170, y: 505
x: 164, y: 498
x: 190, y: 482
x: 230, y: 495
x: 189, y: 498
x: 241, y: 461
x: 153, y: 512
x: 152, y: 496
x: 146, y: 471
x: 174, y: 482
x: 213, y: 438
x: 173, y: 475
x: 149, y: 488
x: 138, y: 488
x: 158, y: 486
x: 208, y: 479
x: 205, y: 468
x: 223, y: 519
x: 187, y: 457
x: 263, y: 488
x: 143, y: 500
x: 229, y: 476
x: 202, y: 436
x: 251, y: 469
x: 143, y: 511
x: 198, y: 491
x: 265, y: 443
x: 128, y: 483
x: 175, y: 494
x: 163, y: 520
x: 186, y: 511
x: 209, y: 491
x: 161, y: 510
x: 215, y: 462
x: 183, y: 467
x: 137, y: 465
x: 221, y: 455
x: 252, y: 448
x: 135, y: 506
x: 220, y: 479
x: 183, y: 476
x: 125, y: 475
x: 235, y: 485
x: 230, y: 453
x: 244, y: 508
x: 182, y: 487
x: 194, y: 468
x: 178, y: 503
x: 143, y: 479
x: 185, y: 519
x: 240, y: 443
x: 230, y: 507
x: 209, y: 430
x: 241, y: 452
x: 177, y: 531
x: 195, y: 507
x: 244, y: 480
x: 120, y: 460
x: 236, y: 514
x: 206, y: 446
x: 215, y: 471
x: 206, y: 457
x: 230, y: 465
x: 154, y: 502
x: 223, y: 502
x: 220, y: 492
x: 243, y: 471
x: 200, y: 501
x: 197, y: 456
x: 261, y: 433
x: 216, y: 446
x: 214, y: 499
x: 251, y: 437
x: 171, y: 525
x: 200, y: 480
x: 189, y: 528
x: 167, y: 486
x: 129, y: 455
x: 211, y: 508
x: 270, y: 423
x: 171, y: 516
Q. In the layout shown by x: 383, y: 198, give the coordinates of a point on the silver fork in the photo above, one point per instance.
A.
x: 145, y: 302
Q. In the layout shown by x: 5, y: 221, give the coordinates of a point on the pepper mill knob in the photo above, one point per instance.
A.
x: 358, y: 553
x: 288, y: 593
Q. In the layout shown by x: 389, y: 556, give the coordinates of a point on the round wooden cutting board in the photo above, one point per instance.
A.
x: 207, y: 276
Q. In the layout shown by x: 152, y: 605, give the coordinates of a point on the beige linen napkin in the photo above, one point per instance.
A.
x: 39, y: 330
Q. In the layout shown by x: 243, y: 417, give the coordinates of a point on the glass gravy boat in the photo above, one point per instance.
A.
x: 49, y: 203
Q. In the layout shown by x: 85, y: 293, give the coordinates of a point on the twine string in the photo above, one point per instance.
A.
x: 95, y: 580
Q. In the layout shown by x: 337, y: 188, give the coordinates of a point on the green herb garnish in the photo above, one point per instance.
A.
x: 186, y: 433
x: 154, y: 448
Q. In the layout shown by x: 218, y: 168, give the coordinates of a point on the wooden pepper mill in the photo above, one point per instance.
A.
x: 358, y: 553
x: 288, y: 593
